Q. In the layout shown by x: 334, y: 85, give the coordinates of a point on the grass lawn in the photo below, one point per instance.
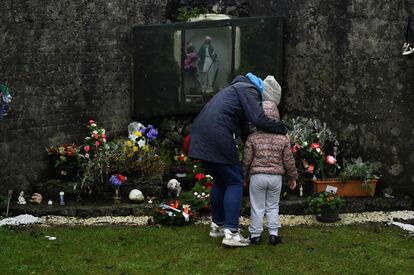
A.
x: 362, y: 249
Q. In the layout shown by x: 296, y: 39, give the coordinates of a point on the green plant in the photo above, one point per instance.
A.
x: 360, y: 170
x: 302, y: 129
x: 324, y: 199
x: 184, y: 14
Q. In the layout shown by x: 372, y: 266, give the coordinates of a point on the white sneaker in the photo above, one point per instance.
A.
x: 216, y: 230
x: 234, y: 239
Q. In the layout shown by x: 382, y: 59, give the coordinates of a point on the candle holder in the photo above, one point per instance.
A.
x: 117, y: 198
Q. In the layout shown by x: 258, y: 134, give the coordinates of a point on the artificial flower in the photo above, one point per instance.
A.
x: 97, y: 143
x: 93, y: 125
x: 95, y: 132
x: 295, y: 148
x: 199, y: 176
x: 91, y: 121
x: 103, y: 135
x: 141, y: 143
x: 138, y: 134
x: 208, y: 185
x: 87, y: 148
x: 311, y: 168
x: 330, y: 160
x: 315, y: 145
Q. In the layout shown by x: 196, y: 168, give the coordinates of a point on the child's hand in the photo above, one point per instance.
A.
x: 292, y: 184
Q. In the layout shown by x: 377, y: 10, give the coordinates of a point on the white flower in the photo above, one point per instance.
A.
x: 195, y: 193
x: 95, y: 132
x: 198, y: 196
x: 203, y: 194
x: 318, y: 150
x: 305, y: 143
x: 209, y: 176
x: 104, y: 140
x: 93, y: 125
x: 195, y: 166
x: 141, y: 143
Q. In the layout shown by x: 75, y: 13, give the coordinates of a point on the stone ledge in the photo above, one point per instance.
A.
x: 287, y: 207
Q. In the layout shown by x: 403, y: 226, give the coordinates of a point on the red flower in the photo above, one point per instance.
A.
x: 208, y: 185
x: 311, y: 168
x: 181, y: 157
x: 97, y: 143
x: 120, y: 177
x: 103, y: 136
x: 315, y: 145
x: 96, y: 136
x: 295, y: 148
x: 87, y: 148
x: 199, y: 176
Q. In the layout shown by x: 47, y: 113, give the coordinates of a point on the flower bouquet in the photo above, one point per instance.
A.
x: 117, y: 180
x: 173, y: 213
x: 66, y: 160
x: 95, y: 141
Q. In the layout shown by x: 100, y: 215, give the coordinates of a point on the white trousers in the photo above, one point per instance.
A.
x: 264, y: 199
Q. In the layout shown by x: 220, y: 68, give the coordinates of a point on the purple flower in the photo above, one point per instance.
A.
x: 152, y: 134
x: 115, y: 181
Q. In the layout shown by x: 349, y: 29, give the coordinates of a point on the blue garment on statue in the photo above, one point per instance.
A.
x: 3, y: 108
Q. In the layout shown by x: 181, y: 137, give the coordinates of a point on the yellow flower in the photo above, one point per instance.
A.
x: 135, y: 148
x: 145, y: 148
x: 129, y: 143
x: 129, y: 155
x: 138, y: 134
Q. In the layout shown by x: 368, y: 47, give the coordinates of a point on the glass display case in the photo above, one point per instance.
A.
x: 178, y: 67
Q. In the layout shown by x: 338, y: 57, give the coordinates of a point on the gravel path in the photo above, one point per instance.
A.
x: 286, y: 220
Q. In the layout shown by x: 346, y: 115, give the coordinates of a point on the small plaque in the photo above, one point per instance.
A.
x: 331, y: 189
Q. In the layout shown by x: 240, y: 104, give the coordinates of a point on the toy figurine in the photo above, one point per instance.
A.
x: 174, y: 188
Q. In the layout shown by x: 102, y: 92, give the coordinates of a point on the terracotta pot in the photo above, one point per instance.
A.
x: 350, y: 188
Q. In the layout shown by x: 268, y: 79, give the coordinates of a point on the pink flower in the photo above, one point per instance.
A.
x: 96, y: 136
x: 87, y: 155
x: 315, y: 145
x: 87, y: 148
x: 103, y: 136
x: 97, y: 143
x: 330, y: 160
x: 91, y: 121
x: 311, y: 168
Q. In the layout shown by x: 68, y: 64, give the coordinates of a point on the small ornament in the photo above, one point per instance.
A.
x: 117, y: 180
x: 21, y: 200
x: 300, y: 191
x: 174, y: 188
x: 136, y: 195
x: 49, y: 202
x: 36, y: 198
x: 62, y: 198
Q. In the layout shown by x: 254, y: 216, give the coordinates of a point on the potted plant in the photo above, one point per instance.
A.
x: 326, y: 206
x: 66, y: 160
x: 357, y: 179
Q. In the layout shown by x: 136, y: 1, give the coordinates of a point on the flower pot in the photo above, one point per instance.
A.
x: 350, y: 188
x: 68, y: 173
x: 328, y: 214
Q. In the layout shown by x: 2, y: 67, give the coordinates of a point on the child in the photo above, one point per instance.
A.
x: 266, y: 158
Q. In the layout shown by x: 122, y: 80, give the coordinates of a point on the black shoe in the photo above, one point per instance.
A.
x: 255, y: 240
x: 274, y: 240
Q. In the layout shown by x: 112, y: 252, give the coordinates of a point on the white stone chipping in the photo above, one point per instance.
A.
x: 286, y: 220
x: 19, y: 220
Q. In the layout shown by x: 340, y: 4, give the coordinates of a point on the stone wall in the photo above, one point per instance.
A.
x: 344, y: 66
x: 66, y: 62
x: 70, y: 62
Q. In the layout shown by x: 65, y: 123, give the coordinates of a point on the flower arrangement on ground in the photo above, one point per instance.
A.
x: 314, y: 148
x: 66, y: 154
x: 173, y: 213
x: 117, y: 181
x: 326, y: 205
x: 199, y: 195
x: 95, y: 141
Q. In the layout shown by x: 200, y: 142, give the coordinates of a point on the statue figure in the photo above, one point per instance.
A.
x: 21, y: 199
